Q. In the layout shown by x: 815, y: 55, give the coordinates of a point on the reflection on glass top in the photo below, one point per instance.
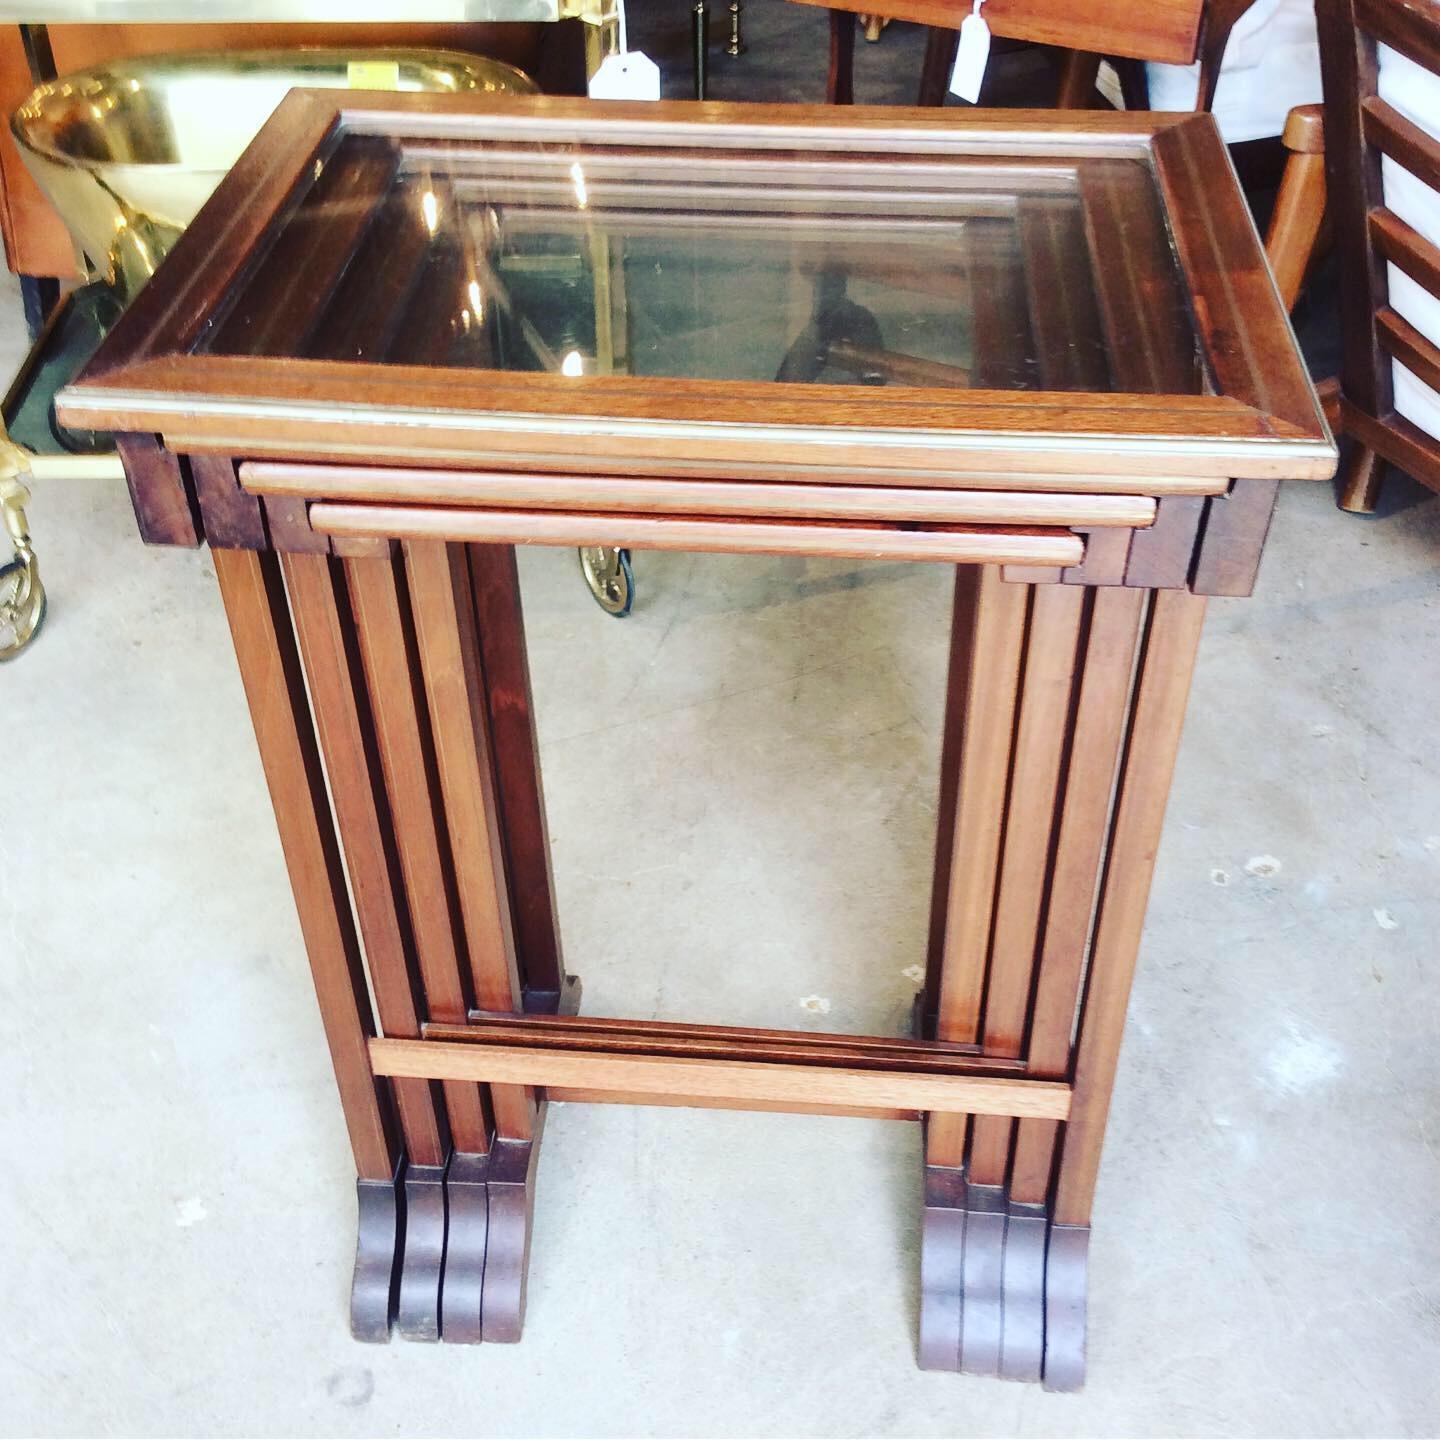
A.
x: 725, y: 265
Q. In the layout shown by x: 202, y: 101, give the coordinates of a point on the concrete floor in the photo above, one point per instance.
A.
x: 740, y: 780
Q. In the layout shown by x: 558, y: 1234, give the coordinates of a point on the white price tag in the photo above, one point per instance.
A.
x: 971, y: 56
x: 631, y: 76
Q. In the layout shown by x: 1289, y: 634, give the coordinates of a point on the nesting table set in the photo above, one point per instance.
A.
x: 409, y: 333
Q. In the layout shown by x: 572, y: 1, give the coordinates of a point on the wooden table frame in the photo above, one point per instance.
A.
x: 376, y: 615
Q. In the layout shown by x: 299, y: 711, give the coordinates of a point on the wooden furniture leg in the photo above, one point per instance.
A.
x: 987, y: 635
x: 1221, y: 17
x: 505, y: 667
x: 1079, y: 70
x: 255, y: 604
x: 1361, y: 480
x: 396, y: 702
x: 1300, y: 205
x: 1158, y: 714
x: 449, y: 653
x: 1040, y: 743
x: 935, y: 70
x: 840, y: 81
x: 1069, y: 711
x: 337, y: 693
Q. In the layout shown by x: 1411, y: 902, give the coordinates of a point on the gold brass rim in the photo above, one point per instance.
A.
x: 607, y: 573
x: 22, y: 605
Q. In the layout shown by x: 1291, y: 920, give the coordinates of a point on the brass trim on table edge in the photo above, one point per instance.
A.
x: 1259, y: 457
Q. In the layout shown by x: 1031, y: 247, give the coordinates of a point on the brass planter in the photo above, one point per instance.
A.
x: 128, y: 152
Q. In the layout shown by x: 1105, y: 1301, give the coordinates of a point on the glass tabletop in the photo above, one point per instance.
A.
x: 577, y: 259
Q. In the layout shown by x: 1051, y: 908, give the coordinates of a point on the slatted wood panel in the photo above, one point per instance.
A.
x: 1360, y: 128
x: 253, y: 590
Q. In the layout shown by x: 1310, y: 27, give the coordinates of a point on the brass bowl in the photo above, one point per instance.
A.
x: 129, y: 151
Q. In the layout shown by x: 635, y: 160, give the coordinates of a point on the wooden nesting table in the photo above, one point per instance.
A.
x: 409, y: 333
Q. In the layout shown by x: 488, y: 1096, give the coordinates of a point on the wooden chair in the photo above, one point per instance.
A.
x: 1172, y: 32
x: 1371, y: 166
x: 1380, y: 60
x: 1300, y: 204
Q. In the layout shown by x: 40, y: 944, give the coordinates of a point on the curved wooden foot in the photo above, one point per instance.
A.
x: 511, y: 1189
x: 1022, y: 1357
x: 1360, y: 480
x: 467, y: 1236
x: 1067, y: 1260
x: 942, y: 1268
x: 982, y: 1309
x: 377, y: 1246
x: 417, y: 1314
x: 1002, y: 1291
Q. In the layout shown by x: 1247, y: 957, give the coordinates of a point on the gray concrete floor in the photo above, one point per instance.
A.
x: 741, y: 788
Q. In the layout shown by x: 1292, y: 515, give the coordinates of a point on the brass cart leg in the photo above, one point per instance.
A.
x: 736, y: 44
x: 700, y: 45
x: 22, y: 596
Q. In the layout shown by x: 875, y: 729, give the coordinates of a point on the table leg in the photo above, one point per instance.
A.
x: 1079, y: 70
x: 396, y: 705
x: 987, y: 635
x: 255, y: 604
x: 1059, y: 759
x: 1010, y: 1308
x: 505, y: 668
x: 443, y: 605
x: 941, y: 44
x: 840, y: 82
x: 323, y: 623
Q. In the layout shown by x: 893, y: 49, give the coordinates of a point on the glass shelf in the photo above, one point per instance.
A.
x: 581, y: 260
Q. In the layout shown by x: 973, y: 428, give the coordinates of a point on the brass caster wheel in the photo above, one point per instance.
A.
x: 22, y: 596
x: 607, y: 573
x: 22, y: 604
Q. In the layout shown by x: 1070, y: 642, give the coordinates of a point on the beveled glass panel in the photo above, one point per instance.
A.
x: 939, y: 272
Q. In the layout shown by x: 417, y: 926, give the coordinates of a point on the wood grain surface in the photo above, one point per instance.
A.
x: 721, y: 1079
x: 751, y: 537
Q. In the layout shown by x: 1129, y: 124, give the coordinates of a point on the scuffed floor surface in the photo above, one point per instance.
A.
x: 741, y: 785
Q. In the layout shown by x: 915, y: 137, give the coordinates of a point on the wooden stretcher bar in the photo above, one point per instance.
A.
x: 720, y: 1079
x: 652, y: 1037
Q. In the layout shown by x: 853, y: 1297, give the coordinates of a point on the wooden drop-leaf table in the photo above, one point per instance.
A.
x: 409, y: 333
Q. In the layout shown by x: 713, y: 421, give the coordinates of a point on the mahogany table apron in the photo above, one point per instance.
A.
x: 1063, y: 371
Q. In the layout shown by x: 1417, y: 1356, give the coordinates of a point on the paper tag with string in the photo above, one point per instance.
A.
x: 627, y: 74
x: 971, y: 56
